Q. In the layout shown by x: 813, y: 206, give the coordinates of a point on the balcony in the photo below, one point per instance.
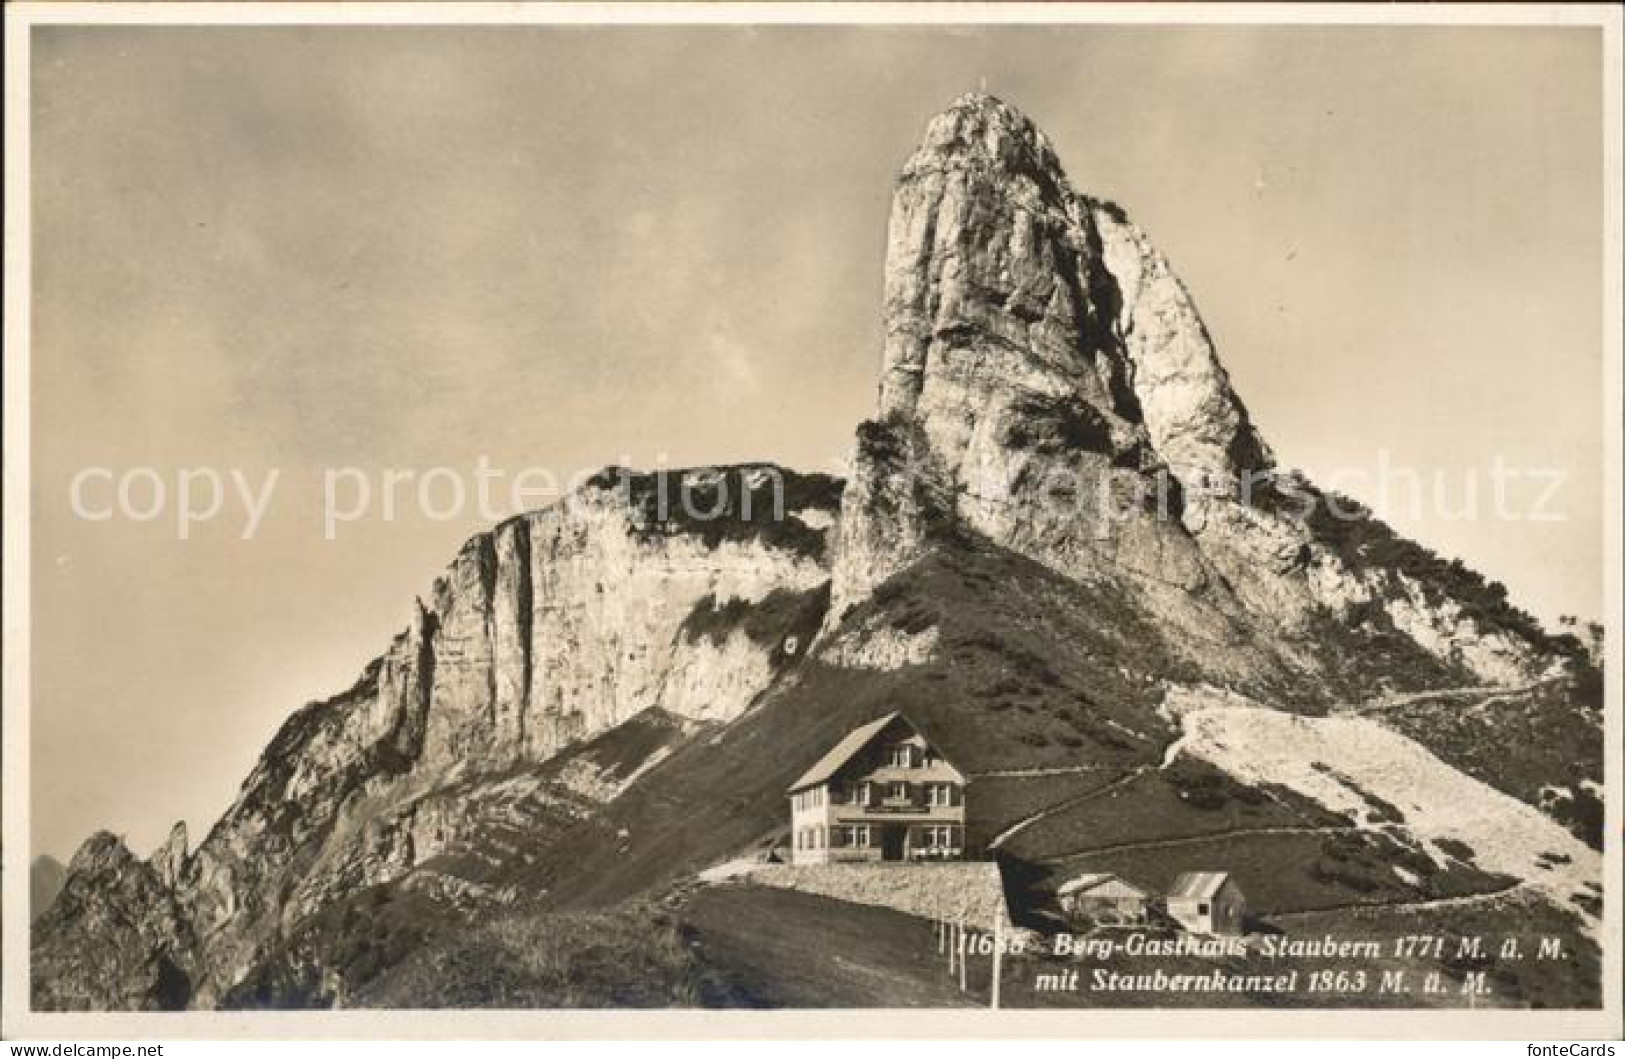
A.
x: 897, y: 811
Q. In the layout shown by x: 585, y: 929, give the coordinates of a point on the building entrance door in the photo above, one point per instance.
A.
x: 891, y: 842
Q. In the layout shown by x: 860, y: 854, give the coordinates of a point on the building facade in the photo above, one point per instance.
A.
x: 883, y: 793
x: 1208, y: 902
x: 1104, y: 898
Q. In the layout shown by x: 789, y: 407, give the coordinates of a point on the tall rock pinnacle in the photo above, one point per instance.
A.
x: 1003, y: 285
x: 1011, y: 358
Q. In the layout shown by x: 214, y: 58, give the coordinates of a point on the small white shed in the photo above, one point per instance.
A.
x: 1208, y: 902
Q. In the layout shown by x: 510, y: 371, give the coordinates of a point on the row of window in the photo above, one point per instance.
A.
x: 860, y: 836
x: 809, y: 799
x: 909, y: 756
x: 866, y: 793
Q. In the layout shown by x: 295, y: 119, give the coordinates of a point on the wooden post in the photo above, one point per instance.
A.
x: 962, y: 978
x: 998, y: 958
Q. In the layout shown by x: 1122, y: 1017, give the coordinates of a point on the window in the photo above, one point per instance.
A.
x: 938, y: 838
x: 897, y: 792
x: 939, y: 794
x: 902, y: 756
x: 863, y: 794
x: 1203, y: 908
x: 860, y: 834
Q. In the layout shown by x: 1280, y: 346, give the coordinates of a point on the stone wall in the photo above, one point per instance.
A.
x: 972, y: 890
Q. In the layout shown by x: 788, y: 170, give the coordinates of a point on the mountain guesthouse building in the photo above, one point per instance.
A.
x: 883, y: 793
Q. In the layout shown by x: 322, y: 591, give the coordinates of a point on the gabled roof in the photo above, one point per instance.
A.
x: 1095, y: 881
x: 850, y: 744
x: 1198, y: 885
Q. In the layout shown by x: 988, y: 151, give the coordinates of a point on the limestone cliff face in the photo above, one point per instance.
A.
x: 1048, y: 378
x: 552, y: 628
x: 565, y: 623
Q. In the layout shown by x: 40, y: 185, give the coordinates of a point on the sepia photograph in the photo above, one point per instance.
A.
x: 803, y: 521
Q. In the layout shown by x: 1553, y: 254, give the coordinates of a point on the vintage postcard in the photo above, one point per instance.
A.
x: 576, y: 521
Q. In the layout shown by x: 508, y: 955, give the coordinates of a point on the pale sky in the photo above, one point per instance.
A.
x: 563, y: 247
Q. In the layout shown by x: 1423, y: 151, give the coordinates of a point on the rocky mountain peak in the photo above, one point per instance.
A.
x: 988, y: 273
x: 102, y: 851
x: 982, y: 130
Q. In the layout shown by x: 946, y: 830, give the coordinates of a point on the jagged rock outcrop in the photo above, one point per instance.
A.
x: 116, y: 937
x: 169, y: 860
